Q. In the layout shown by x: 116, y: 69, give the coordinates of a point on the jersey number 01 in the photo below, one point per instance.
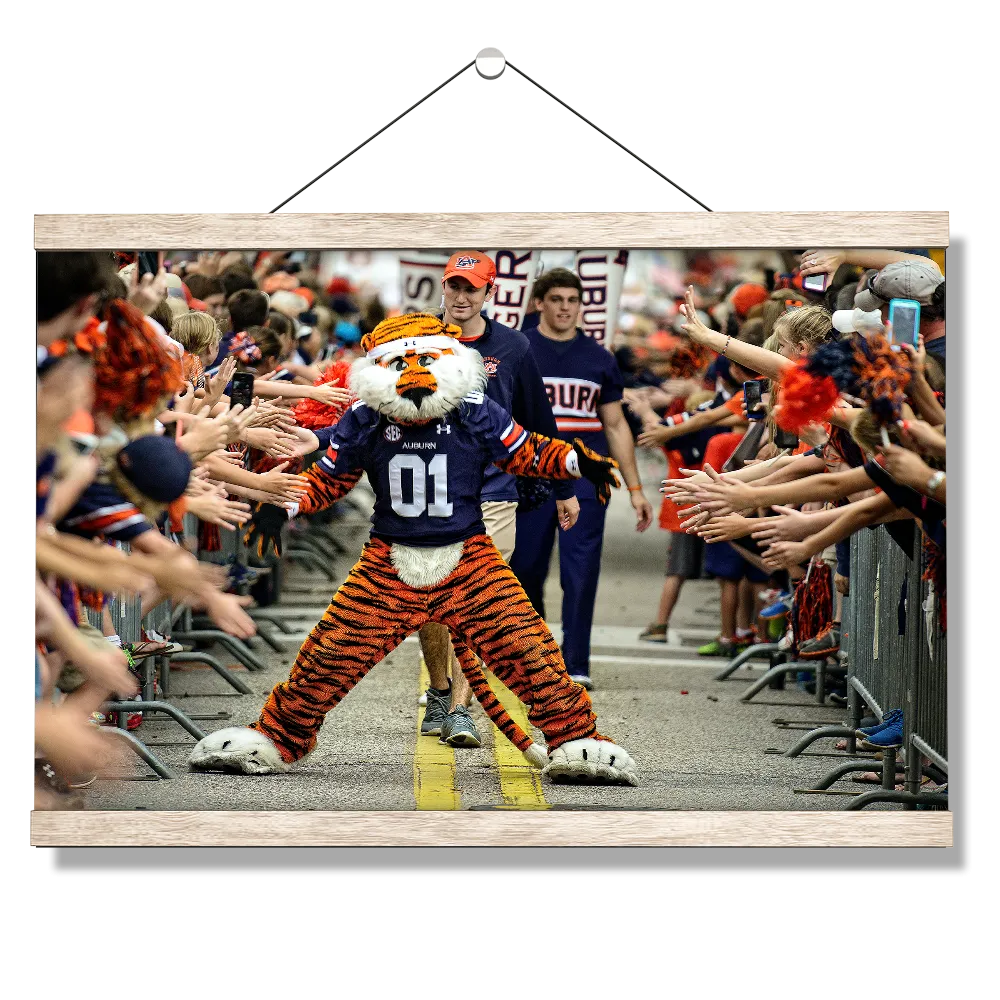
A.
x: 436, y: 469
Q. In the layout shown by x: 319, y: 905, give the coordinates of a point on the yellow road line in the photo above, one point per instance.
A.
x: 520, y: 783
x: 433, y: 764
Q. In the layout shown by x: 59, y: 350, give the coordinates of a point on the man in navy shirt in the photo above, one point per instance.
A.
x: 514, y: 383
x: 584, y: 386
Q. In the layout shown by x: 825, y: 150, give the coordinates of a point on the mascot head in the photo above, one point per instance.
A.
x: 415, y: 369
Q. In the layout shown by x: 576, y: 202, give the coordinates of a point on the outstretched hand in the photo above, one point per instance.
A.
x: 821, y: 262
x: 693, y: 326
x: 720, y: 496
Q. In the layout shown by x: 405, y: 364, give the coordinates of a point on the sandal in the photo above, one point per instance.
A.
x: 654, y: 633
x: 867, y: 777
x: 147, y: 647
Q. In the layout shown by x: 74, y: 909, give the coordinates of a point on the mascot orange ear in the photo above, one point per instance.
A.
x: 407, y: 327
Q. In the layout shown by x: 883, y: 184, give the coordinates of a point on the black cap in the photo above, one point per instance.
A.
x: 156, y: 467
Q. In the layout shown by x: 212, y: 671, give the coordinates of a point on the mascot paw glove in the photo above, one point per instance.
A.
x: 592, y: 762
x: 598, y: 469
x: 263, y: 533
x: 241, y: 751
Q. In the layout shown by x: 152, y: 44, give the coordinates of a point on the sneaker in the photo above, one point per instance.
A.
x: 435, y: 713
x: 583, y: 680
x: 891, y: 737
x: 891, y: 718
x: 825, y: 644
x: 458, y: 729
x: 654, y: 633
x: 775, y: 629
x: 780, y: 607
x: 718, y: 647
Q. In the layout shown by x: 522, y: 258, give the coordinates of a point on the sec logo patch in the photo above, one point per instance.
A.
x: 393, y: 433
x: 492, y: 365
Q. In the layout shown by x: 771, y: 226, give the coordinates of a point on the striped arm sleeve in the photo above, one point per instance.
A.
x: 326, y: 485
x: 534, y: 455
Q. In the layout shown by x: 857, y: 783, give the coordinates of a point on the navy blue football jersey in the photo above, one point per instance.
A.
x: 579, y: 376
x: 428, y: 477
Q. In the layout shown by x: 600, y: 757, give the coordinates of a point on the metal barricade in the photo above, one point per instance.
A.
x: 897, y: 659
x: 126, y: 617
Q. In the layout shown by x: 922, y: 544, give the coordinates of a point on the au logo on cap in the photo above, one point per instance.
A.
x: 466, y: 263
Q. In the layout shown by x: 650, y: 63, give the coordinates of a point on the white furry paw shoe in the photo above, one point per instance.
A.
x: 239, y: 750
x: 592, y: 762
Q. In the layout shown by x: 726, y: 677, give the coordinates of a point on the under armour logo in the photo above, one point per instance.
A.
x: 444, y: 427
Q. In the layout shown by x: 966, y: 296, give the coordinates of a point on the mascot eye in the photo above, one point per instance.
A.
x: 399, y: 365
x: 427, y: 360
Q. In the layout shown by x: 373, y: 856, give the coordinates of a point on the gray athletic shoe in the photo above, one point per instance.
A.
x: 583, y: 680
x: 435, y: 713
x: 458, y: 729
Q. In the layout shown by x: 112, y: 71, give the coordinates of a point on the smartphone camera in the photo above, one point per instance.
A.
x: 904, y: 319
x: 754, y: 402
x: 242, y: 394
x: 814, y: 282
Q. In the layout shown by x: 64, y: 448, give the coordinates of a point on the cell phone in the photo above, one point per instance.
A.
x: 242, y: 394
x: 814, y: 282
x: 748, y: 447
x: 904, y: 318
x: 149, y: 262
x: 84, y: 444
x: 785, y: 439
x: 752, y: 398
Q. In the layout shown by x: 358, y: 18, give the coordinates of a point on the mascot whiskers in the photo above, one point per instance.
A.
x: 424, y: 433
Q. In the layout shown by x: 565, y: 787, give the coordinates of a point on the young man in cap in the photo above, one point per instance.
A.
x: 895, y: 275
x: 920, y: 281
x: 513, y: 381
x: 584, y: 387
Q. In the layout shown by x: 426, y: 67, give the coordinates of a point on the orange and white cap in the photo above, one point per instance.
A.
x: 477, y: 268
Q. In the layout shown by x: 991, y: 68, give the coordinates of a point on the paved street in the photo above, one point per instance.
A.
x: 696, y: 745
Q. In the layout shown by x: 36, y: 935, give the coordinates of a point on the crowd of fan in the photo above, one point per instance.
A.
x: 851, y: 434
x: 135, y: 429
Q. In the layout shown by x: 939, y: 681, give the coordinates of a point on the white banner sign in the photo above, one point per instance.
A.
x: 516, y: 273
x: 601, y: 273
x: 420, y: 274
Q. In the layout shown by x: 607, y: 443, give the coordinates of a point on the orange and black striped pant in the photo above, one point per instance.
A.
x: 481, y: 603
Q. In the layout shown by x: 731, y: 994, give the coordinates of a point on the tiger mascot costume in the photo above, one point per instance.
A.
x: 424, y: 432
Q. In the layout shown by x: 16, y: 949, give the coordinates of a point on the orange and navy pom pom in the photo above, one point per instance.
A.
x: 836, y: 359
x: 882, y: 376
x: 804, y: 398
x: 689, y: 360
x: 132, y: 371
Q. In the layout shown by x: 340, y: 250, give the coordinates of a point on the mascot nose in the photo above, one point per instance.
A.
x: 417, y: 395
